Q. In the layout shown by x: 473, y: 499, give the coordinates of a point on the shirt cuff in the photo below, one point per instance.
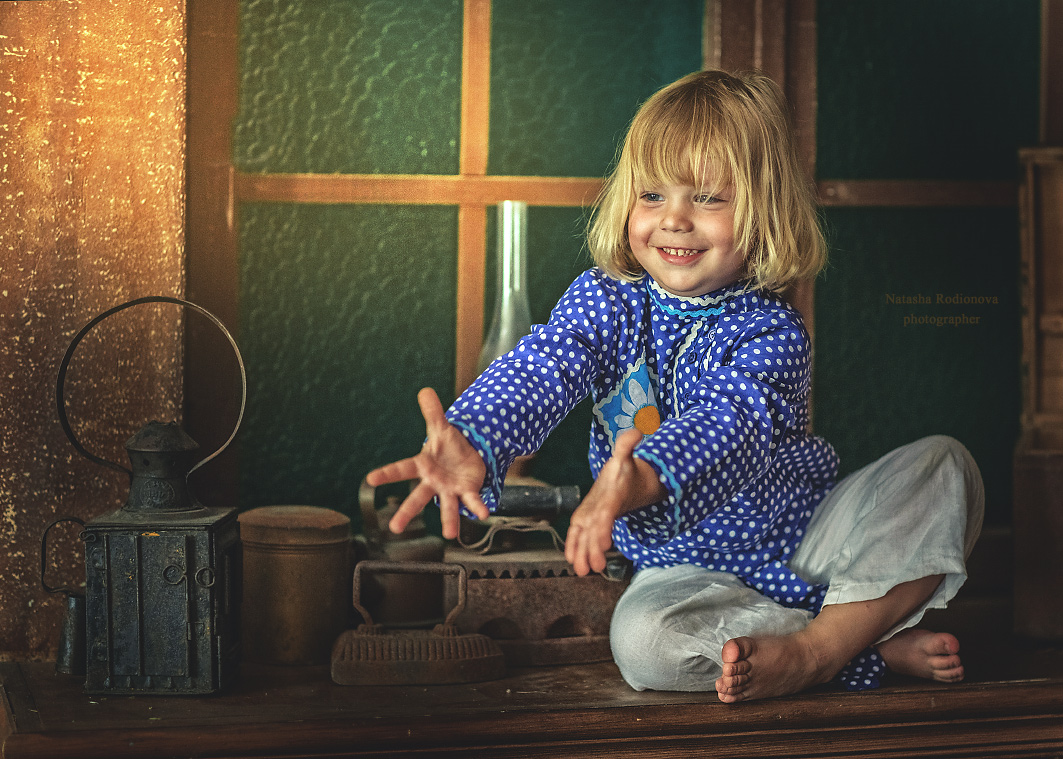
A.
x: 491, y: 491
x: 659, y: 522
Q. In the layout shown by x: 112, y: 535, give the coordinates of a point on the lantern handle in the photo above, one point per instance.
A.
x: 61, y: 379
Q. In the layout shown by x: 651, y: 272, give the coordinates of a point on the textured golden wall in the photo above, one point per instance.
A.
x: 91, y: 214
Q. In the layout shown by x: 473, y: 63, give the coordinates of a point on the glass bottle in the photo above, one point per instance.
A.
x: 512, y: 316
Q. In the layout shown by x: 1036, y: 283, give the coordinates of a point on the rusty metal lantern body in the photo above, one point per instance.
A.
x: 162, y: 573
x: 161, y: 579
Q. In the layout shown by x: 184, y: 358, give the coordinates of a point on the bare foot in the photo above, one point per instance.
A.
x: 767, y: 667
x: 922, y: 653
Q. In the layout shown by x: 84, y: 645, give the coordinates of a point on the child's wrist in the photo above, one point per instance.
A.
x: 647, y: 487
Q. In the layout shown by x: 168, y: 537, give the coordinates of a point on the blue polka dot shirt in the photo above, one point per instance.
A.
x: 722, y: 383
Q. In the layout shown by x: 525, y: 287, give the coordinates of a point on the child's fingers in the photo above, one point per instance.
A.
x: 431, y: 408
x: 475, y: 504
x: 596, y: 559
x: 583, y: 554
x: 596, y: 543
x: 449, y: 515
x: 605, y: 540
x: 397, y: 471
x: 450, y: 511
x: 571, y: 540
x: 590, y: 535
x: 574, y: 551
x: 585, y: 550
x: 411, y: 507
x: 626, y: 443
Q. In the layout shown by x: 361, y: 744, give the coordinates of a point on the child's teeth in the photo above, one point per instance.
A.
x: 679, y: 251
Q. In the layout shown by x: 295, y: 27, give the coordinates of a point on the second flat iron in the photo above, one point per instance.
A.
x: 371, y: 655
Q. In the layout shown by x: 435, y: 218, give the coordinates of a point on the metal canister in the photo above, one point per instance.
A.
x: 297, y: 583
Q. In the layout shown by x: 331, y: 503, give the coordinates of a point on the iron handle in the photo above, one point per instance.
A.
x: 411, y: 568
x: 537, y: 501
x: 367, y: 504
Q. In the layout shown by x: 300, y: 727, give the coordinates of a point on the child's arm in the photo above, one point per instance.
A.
x: 624, y: 484
x: 447, y: 466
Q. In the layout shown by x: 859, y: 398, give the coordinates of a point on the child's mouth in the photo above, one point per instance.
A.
x: 679, y: 255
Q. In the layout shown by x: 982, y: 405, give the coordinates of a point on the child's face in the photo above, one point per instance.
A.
x: 684, y: 239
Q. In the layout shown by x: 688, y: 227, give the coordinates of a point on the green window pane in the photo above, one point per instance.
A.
x: 911, y: 89
x: 349, y: 86
x: 345, y: 312
x: 567, y: 76
x: 917, y: 333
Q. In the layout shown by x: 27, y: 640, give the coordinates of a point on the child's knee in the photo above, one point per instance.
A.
x: 952, y: 462
x: 653, y: 655
x: 952, y: 458
x: 946, y: 451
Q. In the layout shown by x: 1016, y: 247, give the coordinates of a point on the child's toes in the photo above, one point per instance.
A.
x: 940, y: 663
x: 946, y: 669
x: 729, y: 696
x: 732, y: 685
x: 729, y: 691
x: 734, y: 669
x: 941, y: 644
x: 737, y: 650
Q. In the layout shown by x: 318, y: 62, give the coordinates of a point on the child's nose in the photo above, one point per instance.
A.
x: 677, y: 218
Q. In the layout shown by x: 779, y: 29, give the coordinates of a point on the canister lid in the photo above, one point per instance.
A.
x: 294, y: 525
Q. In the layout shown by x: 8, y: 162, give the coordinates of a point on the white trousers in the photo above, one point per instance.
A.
x: 914, y: 513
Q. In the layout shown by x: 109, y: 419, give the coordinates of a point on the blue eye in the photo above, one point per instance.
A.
x: 651, y: 197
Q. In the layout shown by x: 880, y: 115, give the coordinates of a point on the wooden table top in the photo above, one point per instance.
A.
x: 578, y: 710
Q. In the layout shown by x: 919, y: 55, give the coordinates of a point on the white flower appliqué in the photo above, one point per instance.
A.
x: 632, y: 403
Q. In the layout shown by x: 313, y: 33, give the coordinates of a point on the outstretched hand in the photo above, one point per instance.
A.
x: 624, y: 484
x: 447, y: 466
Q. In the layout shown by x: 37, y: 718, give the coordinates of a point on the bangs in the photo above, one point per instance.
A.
x: 679, y: 141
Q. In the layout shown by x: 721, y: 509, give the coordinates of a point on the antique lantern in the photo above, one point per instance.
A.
x: 162, y: 573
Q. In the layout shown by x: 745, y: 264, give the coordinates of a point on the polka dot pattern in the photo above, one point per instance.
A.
x: 732, y: 373
x: 865, y: 672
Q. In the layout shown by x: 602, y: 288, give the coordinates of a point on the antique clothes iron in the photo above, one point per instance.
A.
x: 371, y: 655
x: 399, y: 599
x: 162, y: 573
x: 521, y: 590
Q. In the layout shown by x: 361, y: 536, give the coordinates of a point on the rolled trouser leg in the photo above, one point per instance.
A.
x: 916, y: 512
x: 670, y: 626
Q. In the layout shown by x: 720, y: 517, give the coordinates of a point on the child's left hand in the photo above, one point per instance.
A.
x: 624, y: 484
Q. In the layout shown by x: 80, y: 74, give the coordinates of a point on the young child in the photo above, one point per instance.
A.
x: 757, y: 575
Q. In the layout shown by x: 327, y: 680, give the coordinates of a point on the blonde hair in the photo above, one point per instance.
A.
x: 735, y: 128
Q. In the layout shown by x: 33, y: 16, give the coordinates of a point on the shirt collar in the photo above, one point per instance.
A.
x: 710, y: 304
